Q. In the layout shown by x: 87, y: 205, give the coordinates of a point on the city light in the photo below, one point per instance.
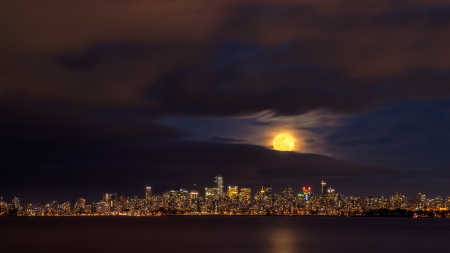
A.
x: 327, y: 202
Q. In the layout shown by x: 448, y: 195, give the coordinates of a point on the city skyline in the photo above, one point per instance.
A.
x: 239, y: 201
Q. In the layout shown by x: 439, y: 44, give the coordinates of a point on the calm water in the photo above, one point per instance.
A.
x: 223, y: 234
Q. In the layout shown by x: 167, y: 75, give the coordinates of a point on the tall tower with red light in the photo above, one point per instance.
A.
x: 306, y: 192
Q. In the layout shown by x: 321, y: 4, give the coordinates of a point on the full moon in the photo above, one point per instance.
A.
x: 283, y: 142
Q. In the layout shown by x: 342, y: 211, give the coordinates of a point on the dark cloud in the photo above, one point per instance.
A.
x: 189, y: 58
x: 220, y: 139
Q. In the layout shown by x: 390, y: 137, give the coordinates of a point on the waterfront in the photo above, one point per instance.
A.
x: 232, y: 202
x: 222, y: 234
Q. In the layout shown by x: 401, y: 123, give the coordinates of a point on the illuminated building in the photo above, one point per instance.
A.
x: 232, y: 191
x: 3, y: 206
x: 396, y: 200
x: 110, y: 198
x: 80, y: 205
x: 176, y: 200
x: 267, y: 189
x: 266, y: 197
x: 339, y: 200
x: 287, y: 192
x: 140, y: 204
x: 148, y: 194
x: 245, y: 194
x: 285, y: 201
x: 65, y: 207
x: 53, y: 207
x: 212, y: 197
x: 420, y: 201
x: 219, y: 183
x: 194, y: 205
x: 324, y: 188
x: 16, y: 203
x: 447, y: 203
x: 88, y: 209
x: 193, y: 194
x: 307, y: 192
x: 121, y: 198
x: 116, y: 206
x: 212, y: 194
x: 182, y: 201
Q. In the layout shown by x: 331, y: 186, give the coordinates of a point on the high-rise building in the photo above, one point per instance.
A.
x: 267, y: 189
x: 324, y: 188
x: 107, y: 197
x: 65, y: 207
x: 80, y: 205
x: 148, y: 194
x: 2, y: 205
x: 266, y: 196
x: 110, y: 198
x: 212, y: 194
x: 246, y: 192
x: 287, y: 192
x: 121, y: 198
x: 232, y: 191
x: 102, y: 207
x: 219, y: 183
x: 398, y: 201
x: 420, y: 201
x: 53, y: 207
x: 193, y: 194
x: 306, y: 192
x: 16, y: 203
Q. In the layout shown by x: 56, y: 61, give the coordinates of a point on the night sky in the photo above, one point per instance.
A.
x: 114, y: 95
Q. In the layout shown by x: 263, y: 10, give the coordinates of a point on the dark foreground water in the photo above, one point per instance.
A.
x: 223, y: 234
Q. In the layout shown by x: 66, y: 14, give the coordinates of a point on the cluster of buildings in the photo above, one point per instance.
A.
x: 232, y: 200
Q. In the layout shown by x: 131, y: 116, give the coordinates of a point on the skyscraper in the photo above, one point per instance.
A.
x: 324, y: 188
x: 232, y: 191
x: 245, y: 194
x: 148, y: 194
x: 219, y: 183
x: 267, y: 189
x: 211, y: 194
x: 419, y: 203
x: 80, y: 205
x: 193, y: 194
x: 287, y: 192
x: 16, y: 203
x: 307, y: 192
x: 102, y: 207
x: 3, y: 206
x: 107, y: 197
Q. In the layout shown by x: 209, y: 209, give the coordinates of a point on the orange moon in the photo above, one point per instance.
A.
x: 283, y: 142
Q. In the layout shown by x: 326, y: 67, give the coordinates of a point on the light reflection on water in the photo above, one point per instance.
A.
x: 283, y: 240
